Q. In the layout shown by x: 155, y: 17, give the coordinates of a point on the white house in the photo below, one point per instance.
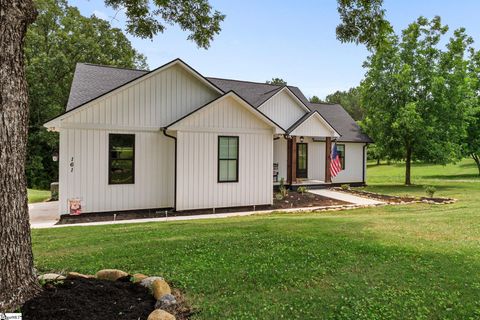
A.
x: 172, y: 138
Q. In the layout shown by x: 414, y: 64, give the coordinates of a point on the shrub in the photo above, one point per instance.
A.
x: 279, y: 196
x: 430, y: 190
x: 302, y: 189
x: 345, y: 187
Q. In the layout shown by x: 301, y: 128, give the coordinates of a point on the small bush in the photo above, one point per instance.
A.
x: 430, y: 190
x: 345, y: 187
x: 302, y: 189
x: 279, y: 196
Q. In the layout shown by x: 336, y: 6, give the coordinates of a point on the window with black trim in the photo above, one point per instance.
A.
x: 341, y: 153
x: 121, y: 166
x: 227, y: 159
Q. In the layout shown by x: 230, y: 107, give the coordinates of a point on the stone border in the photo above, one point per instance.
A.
x: 402, y: 200
x: 159, y: 288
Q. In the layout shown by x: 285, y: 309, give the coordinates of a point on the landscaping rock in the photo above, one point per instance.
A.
x: 165, y: 301
x: 160, y: 315
x: 111, y: 274
x: 50, y: 277
x: 137, y: 277
x: 160, y: 288
x: 74, y: 275
x: 147, y: 282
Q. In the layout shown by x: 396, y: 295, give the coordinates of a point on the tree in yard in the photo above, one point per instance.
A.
x: 417, y: 97
x: 145, y: 19
x: 50, y: 63
x: 472, y: 143
x: 277, y: 81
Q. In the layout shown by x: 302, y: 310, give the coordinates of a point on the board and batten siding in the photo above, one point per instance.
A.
x: 155, y: 101
x: 83, y: 167
x: 197, y: 158
x: 354, y: 164
x: 283, y: 109
x: 280, y: 154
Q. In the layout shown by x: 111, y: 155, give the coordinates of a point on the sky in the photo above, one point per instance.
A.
x: 292, y: 40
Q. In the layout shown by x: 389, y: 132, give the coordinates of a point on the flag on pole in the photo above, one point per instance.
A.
x: 335, y: 163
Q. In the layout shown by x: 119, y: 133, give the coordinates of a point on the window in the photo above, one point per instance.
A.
x: 341, y: 153
x: 121, y: 159
x: 227, y: 159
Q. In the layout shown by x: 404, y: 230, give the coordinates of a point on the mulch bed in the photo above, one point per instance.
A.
x: 304, y: 200
x: 93, y: 299
x: 293, y: 200
x: 396, y: 199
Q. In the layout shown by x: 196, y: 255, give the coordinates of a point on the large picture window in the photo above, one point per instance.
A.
x: 227, y: 159
x: 121, y: 169
x: 341, y: 153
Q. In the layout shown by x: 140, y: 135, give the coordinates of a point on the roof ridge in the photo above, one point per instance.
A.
x: 112, y: 67
x: 247, y: 81
x: 328, y: 103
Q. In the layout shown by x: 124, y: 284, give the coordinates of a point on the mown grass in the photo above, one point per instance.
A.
x: 38, y: 195
x: 395, y: 262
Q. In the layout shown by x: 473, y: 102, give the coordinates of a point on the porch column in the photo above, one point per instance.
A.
x: 328, y: 150
x: 292, y: 160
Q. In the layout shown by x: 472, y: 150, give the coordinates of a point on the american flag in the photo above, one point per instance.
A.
x: 335, y: 164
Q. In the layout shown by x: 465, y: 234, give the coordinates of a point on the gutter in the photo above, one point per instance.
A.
x: 164, y: 130
x: 364, y: 162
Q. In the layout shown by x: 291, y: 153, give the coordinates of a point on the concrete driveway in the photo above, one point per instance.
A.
x: 43, y: 214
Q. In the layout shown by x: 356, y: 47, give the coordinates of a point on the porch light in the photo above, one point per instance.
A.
x: 301, y: 139
x: 55, y: 156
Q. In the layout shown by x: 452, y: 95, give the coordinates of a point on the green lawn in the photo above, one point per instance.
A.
x: 396, y: 262
x: 38, y: 195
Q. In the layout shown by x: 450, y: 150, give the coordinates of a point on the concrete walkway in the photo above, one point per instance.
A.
x: 343, y: 196
x: 43, y: 214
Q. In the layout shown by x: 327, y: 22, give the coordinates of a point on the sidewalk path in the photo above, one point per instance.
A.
x: 43, y: 214
x: 343, y: 196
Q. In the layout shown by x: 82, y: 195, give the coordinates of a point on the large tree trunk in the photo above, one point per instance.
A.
x: 408, y: 166
x: 476, y: 157
x: 17, y: 278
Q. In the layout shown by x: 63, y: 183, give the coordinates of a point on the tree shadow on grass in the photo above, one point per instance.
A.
x: 466, y: 176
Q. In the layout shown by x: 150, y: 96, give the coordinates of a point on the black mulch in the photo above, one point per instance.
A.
x: 81, y: 299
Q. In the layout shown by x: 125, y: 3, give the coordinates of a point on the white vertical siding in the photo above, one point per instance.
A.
x: 156, y: 101
x: 154, y: 167
x: 314, y: 126
x: 353, y: 164
x: 197, y: 159
x: 280, y: 151
x: 316, y: 159
x: 283, y: 109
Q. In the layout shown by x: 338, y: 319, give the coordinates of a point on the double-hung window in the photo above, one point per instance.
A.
x: 121, y: 166
x: 227, y: 159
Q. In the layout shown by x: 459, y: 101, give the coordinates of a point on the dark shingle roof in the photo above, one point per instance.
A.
x: 91, y: 81
x: 255, y: 93
x: 341, y: 121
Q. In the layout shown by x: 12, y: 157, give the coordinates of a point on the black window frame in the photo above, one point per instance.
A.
x: 229, y: 159
x: 342, y: 155
x: 110, y: 159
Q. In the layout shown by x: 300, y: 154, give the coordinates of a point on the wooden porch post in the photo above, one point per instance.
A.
x: 328, y: 150
x: 292, y: 160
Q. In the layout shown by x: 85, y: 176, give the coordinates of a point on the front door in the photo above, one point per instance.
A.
x: 302, y: 160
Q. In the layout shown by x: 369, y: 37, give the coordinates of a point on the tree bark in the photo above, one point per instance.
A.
x: 476, y: 157
x: 17, y: 277
x: 408, y: 165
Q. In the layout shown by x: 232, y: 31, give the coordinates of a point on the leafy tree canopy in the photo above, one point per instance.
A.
x: 350, y: 100
x: 416, y: 96
x: 315, y: 99
x: 148, y: 18
x: 55, y: 42
x: 472, y: 143
x: 277, y: 81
